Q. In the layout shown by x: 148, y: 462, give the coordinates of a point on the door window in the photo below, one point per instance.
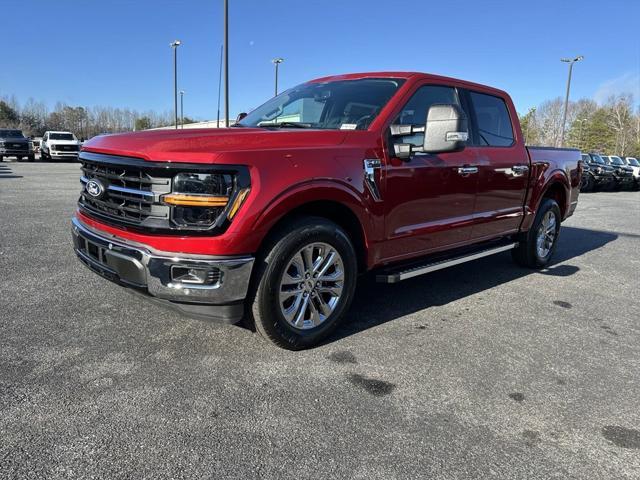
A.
x: 494, y: 123
x: 415, y: 110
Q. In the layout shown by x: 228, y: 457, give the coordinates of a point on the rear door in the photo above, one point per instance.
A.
x: 503, y: 166
x: 429, y: 203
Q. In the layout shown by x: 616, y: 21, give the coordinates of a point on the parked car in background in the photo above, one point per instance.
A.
x: 59, y: 146
x: 635, y: 165
x: 596, y: 174
x: 622, y: 174
x: 402, y: 173
x: 14, y: 144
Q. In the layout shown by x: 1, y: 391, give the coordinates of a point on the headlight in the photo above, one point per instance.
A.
x: 1, y: 144
x: 201, y: 199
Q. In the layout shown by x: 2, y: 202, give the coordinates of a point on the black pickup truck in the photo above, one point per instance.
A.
x: 596, y: 173
x: 14, y: 144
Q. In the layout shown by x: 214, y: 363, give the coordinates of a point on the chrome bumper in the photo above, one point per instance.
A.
x: 63, y: 155
x: 150, y: 273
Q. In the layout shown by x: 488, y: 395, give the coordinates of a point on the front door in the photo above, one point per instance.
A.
x: 429, y: 200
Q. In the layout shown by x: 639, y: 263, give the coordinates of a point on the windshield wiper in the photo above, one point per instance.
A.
x: 285, y: 125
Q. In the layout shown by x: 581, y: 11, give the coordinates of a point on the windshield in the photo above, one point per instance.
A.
x: 335, y: 105
x: 61, y: 136
x: 11, y: 134
x: 633, y: 162
x: 616, y: 160
x: 597, y: 158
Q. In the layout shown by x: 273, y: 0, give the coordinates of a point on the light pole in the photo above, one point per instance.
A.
x: 219, y: 84
x: 175, y: 44
x: 277, y: 62
x: 570, y: 61
x: 226, y: 63
x: 181, y: 108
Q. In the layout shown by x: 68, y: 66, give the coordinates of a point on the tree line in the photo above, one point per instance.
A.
x: 34, y: 118
x: 612, y: 128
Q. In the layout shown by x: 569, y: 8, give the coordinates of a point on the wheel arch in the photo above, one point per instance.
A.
x: 334, y: 203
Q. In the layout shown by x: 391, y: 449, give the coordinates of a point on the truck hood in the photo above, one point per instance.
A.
x: 64, y: 142
x: 205, y: 145
x: 14, y: 140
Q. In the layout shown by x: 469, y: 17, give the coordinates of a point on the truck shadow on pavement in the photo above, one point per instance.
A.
x: 375, y: 304
x: 6, y: 172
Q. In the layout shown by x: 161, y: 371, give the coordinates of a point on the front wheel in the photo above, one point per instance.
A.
x: 588, y: 183
x: 303, y: 284
x: 539, y: 243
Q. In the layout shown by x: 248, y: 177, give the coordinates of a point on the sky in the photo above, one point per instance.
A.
x: 116, y: 52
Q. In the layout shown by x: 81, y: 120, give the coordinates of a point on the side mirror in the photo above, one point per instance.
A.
x: 446, y: 129
x: 241, y: 116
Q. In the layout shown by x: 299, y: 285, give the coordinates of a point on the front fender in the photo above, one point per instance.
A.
x: 314, y: 191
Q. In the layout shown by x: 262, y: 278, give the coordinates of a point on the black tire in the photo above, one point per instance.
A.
x: 588, y: 183
x: 44, y: 157
x: 526, y: 254
x: 264, y: 296
x: 31, y: 158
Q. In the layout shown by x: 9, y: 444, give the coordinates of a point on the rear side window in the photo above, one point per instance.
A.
x: 494, y: 123
x: 415, y: 110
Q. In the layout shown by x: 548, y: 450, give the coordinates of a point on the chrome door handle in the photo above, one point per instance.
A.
x: 519, y: 170
x: 467, y: 170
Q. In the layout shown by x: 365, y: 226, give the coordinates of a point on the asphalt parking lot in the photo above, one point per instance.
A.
x: 483, y: 370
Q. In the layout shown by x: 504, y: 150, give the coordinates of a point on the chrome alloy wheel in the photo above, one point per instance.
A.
x: 546, y: 234
x: 311, y: 285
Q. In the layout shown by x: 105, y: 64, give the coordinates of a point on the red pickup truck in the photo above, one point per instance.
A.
x: 273, y: 219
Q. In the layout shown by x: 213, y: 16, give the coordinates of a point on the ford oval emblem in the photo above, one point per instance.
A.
x: 94, y: 188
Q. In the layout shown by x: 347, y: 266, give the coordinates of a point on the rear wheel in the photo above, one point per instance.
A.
x: 539, y: 243
x: 304, y: 283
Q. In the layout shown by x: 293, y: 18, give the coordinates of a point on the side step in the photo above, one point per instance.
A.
x: 421, y: 269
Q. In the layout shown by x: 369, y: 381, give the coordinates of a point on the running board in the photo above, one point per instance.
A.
x: 414, y: 271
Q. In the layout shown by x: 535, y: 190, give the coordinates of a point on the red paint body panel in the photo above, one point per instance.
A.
x: 426, y: 206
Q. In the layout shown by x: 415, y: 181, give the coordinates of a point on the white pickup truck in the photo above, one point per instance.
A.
x: 59, y: 146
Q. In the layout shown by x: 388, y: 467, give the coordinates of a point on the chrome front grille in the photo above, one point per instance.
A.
x: 131, y: 195
x: 130, y: 192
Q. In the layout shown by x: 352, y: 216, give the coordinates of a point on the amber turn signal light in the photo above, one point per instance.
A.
x: 195, y: 200
x: 237, y: 203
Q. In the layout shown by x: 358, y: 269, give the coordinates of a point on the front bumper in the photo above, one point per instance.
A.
x: 12, y: 152
x: 624, y: 179
x: 55, y: 155
x: 598, y: 178
x: 150, y: 273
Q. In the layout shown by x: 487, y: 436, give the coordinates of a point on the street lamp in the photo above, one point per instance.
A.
x: 276, y: 62
x: 226, y: 63
x: 175, y: 44
x: 570, y: 61
x: 181, y: 108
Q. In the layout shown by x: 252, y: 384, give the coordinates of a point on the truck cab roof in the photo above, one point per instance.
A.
x: 416, y: 76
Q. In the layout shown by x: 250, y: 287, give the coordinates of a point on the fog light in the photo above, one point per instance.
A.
x: 195, y: 275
